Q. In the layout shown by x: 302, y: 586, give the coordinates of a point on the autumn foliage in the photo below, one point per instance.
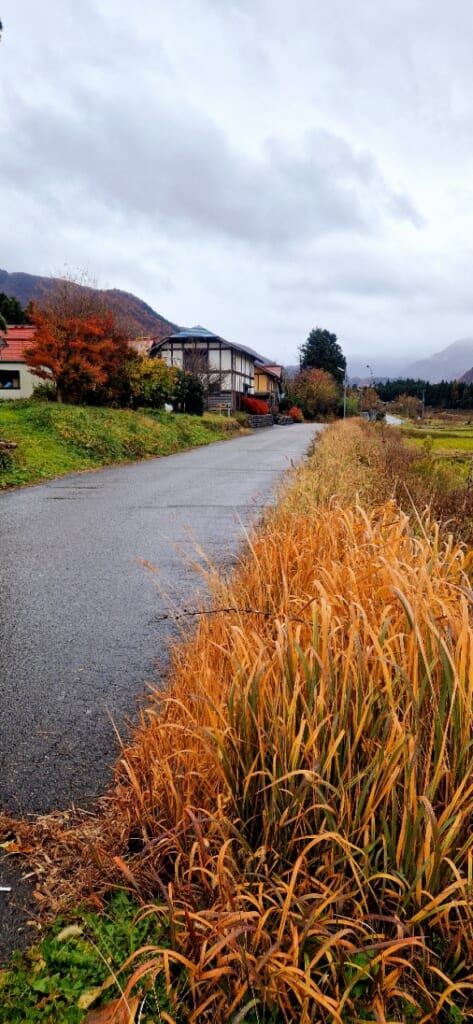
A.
x: 296, y: 414
x: 74, y: 352
x: 315, y: 392
x: 255, y: 406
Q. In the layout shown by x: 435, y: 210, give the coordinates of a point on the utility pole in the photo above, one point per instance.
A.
x: 373, y: 385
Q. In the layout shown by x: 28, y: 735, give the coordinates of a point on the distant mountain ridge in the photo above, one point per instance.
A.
x: 450, y: 363
x: 139, y: 318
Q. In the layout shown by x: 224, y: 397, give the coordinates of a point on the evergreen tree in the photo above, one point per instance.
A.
x: 321, y: 351
x: 11, y: 310
x: 189, y: 394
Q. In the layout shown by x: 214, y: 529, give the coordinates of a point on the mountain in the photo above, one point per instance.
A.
x: 137, y: 317
x: 449, y: 364
x: 375, y: 364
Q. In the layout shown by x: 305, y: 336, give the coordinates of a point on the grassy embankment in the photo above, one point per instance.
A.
x: 299, y: 801
x: 57, y: 439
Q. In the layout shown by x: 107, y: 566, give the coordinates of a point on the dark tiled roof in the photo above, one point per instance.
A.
x: 201, y: 333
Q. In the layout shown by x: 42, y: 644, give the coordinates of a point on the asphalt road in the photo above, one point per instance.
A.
x: 82, y: 619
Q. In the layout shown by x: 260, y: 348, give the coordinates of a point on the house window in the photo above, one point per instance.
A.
x: 9, y: 379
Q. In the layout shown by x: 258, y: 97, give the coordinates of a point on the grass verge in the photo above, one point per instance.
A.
x: 57, y: 439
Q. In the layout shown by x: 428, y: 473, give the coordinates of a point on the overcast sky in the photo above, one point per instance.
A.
x: 256, y: 166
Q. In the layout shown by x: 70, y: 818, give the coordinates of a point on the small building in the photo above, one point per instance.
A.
x: 268, y: 383
x: 226, y: 369
x: 16, y: 378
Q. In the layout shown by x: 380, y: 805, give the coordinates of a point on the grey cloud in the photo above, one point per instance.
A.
x: 176, y: 167
x: 402, y: 208
x: 368, y: 278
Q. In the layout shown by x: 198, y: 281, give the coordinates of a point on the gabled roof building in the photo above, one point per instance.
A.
x: 16, y: 378
x: 227, y: 369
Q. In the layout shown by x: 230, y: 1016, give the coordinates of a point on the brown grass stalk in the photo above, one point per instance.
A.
x: 307, y: 782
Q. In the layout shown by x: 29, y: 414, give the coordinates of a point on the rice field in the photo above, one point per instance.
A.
x: 450, y: 444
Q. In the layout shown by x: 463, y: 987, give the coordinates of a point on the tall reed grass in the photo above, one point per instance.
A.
x: 304, y: 787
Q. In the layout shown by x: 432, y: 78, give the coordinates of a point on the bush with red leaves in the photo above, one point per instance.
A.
x: 296, y: 414
x: 255, y: 406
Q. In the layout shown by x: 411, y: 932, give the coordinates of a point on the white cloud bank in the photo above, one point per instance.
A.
x: 258, y: 167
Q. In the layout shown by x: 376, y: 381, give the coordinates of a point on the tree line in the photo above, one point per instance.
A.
x: 448, y: 394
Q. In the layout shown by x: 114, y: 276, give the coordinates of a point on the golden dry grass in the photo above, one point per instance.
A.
x: 304, y: 788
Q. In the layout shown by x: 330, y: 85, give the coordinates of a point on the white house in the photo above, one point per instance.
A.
x: 16, y: 378
x: 227, y: 369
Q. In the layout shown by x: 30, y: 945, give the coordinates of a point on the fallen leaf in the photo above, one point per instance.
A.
x: 89, y: 997
x: 12, y: 846
x: 69, y: 932
x: 119, y: 1011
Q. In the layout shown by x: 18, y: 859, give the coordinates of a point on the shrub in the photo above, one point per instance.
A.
x: 151, y: 382
x: 189, y: 393
x: 44, y: 392
x: 242, y: 418
x: 7, y: 459
x: 296, y: 414
x: 315, y: 392
x: 255, y: 406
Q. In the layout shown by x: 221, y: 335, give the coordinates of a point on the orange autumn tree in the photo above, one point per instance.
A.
x: 77, y: 345
x: 315, y: 392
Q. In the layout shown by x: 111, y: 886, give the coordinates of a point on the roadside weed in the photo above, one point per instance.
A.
x: 79, y: 965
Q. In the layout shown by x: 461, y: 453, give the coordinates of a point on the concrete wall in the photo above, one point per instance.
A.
x: 28, y: 380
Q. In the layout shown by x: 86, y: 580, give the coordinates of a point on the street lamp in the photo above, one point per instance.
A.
x: 344, y: 369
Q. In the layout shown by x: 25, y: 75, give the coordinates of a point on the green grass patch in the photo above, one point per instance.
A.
x: 78, y: 966
x: 56, y: 439
x: 448, y: 449
x: 460, y: 438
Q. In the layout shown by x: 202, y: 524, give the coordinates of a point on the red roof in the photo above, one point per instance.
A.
x: 17, y: 338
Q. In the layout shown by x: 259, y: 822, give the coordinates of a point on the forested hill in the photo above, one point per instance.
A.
x: 139, y: 318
